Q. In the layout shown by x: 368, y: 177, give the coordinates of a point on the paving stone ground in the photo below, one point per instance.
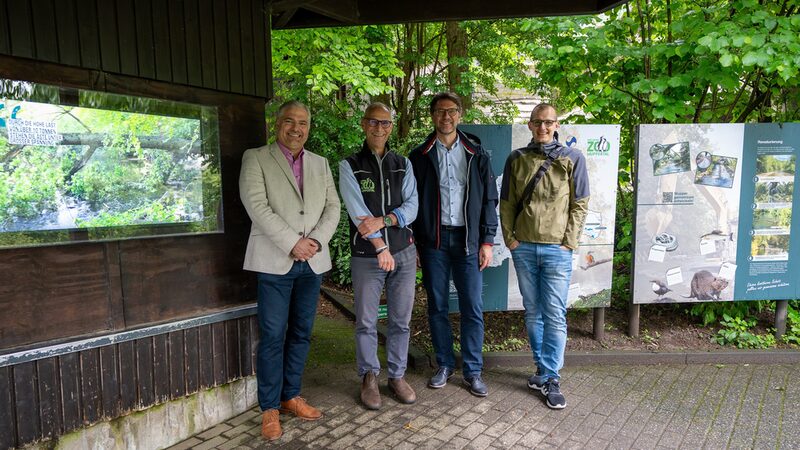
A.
x: 615, y: 407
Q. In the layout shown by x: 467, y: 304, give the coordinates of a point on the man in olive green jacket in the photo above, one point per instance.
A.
x: 543, y: 204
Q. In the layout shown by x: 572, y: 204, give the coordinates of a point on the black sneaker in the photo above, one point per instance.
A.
x: 536, y: 382
x: 552, y: 392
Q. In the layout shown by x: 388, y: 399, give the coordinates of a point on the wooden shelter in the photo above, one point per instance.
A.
x: 93, y: 330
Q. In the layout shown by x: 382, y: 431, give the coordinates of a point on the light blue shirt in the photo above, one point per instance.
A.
x: 351, y: 195
x: 452, y: 182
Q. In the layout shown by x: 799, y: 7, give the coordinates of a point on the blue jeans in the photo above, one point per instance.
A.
x: 287, y: 305
x: 543, y: 273
x: 468, y: 279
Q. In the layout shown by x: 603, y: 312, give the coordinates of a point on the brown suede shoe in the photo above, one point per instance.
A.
x: 403, y: 392
x: 270, y: 425
x: 370, y: 394
x: 300, y: 408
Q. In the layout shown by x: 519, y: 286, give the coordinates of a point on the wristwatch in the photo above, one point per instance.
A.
x: 387, y: 221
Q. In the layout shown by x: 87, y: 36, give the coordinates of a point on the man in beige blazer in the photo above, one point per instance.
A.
x: 291, y: 198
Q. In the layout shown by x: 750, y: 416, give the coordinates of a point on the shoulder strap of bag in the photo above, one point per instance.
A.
x: 528, y: 192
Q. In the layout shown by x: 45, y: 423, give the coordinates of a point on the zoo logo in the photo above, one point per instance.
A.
x: 13, y: 114
x: 598, y: 146
x: 367, y: 185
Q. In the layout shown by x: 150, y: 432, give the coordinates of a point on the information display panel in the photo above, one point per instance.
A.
x: 714, y: 212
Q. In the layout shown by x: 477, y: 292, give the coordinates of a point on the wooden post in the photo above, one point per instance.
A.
x: 781, y: 311
x: 599, y: 323
x: 633, y: 320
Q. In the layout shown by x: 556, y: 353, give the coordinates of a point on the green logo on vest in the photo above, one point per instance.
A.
x: 367, y: 185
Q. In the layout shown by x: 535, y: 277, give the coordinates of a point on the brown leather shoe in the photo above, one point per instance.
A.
x: 300, y: 408
x: 270, y: 425
x: 402, y: 390
x: 370, y: 394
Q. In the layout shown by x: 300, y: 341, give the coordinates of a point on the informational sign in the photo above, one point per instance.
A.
x: 714, y: 212
x: 32, y: 132
x: 592, y: 263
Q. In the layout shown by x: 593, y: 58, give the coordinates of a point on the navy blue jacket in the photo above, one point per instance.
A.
x: 480, y: 200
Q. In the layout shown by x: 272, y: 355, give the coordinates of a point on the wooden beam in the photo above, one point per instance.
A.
x: 345, y: 11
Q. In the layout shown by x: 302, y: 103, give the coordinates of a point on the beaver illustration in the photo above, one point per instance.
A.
x: 706, y: 286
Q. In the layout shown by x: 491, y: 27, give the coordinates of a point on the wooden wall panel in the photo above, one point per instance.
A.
x: 55, y: 395
x: 129, y: 60
x: 49, y: 391
x: 161, y: 41
x: 128, y: 386
x: 20, y: 27
x: 177, y: 364
x: 8, y: 424
x: 191, y: 22
x: 262, y: 60
x: 70, y: 373
x: 208, y: 52
x: 144, y: 38
x: 44, y: 30
x: 221, y: 44
x: 192, y: 275
x: 246, y: 40
x: 232, y: 350
x: 70, y: 280
x: 160, y: 368
x: 192, y: 358
x: 26, y: 404
x: 218, y: 353
x: 109, y: 36
x: 88, y: 34
x: 218, y: 45
x: 234, y: 46
x: 245, y: 347
x: 177, y: 41
x: 144, y: 371
x: 69, y: 49
x: 109, y: 380
x: 5, y: 37
x: 91, y: 400
x: 206, y: 354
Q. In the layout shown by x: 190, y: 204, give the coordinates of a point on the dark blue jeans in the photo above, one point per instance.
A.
x: 468, y: 279
x: 287, y: 305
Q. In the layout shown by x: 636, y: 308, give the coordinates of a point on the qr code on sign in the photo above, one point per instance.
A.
x: 667, y: 197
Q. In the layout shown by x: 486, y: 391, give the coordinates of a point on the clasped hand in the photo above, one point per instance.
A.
x: 369, y: 225
x: 304, y: 249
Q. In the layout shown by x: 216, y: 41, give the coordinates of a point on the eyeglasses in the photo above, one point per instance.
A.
x: 547, y: 123
x: 376, y: 122
x: 449, y: 111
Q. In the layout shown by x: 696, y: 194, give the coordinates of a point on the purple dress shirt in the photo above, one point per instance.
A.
x: 296, y: 164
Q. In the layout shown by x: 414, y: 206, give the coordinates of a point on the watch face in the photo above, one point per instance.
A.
x: 387, y: 221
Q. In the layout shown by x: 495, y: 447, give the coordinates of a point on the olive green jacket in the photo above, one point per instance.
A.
x: 557, y: 209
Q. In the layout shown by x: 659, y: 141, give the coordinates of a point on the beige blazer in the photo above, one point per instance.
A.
x: 280, y: 215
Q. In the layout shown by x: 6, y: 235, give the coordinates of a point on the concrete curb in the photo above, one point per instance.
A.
x: 521, y: 359
x: 420, y: 360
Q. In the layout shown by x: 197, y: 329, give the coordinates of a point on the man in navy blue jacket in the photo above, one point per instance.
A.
x: 455, y: 228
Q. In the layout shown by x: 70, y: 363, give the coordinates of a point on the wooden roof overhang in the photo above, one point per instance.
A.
x: 288, y: 14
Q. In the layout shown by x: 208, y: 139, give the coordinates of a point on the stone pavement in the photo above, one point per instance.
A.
x: 608, y: 406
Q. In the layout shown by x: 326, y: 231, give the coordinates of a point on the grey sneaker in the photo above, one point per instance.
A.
x: 536, y: 382
x: 552, y: 393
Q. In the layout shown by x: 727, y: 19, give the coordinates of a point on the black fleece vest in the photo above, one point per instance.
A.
x: 381, y: 188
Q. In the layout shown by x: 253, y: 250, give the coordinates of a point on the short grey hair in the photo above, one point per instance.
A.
x: 292, y: 104
x: 377, y: 105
